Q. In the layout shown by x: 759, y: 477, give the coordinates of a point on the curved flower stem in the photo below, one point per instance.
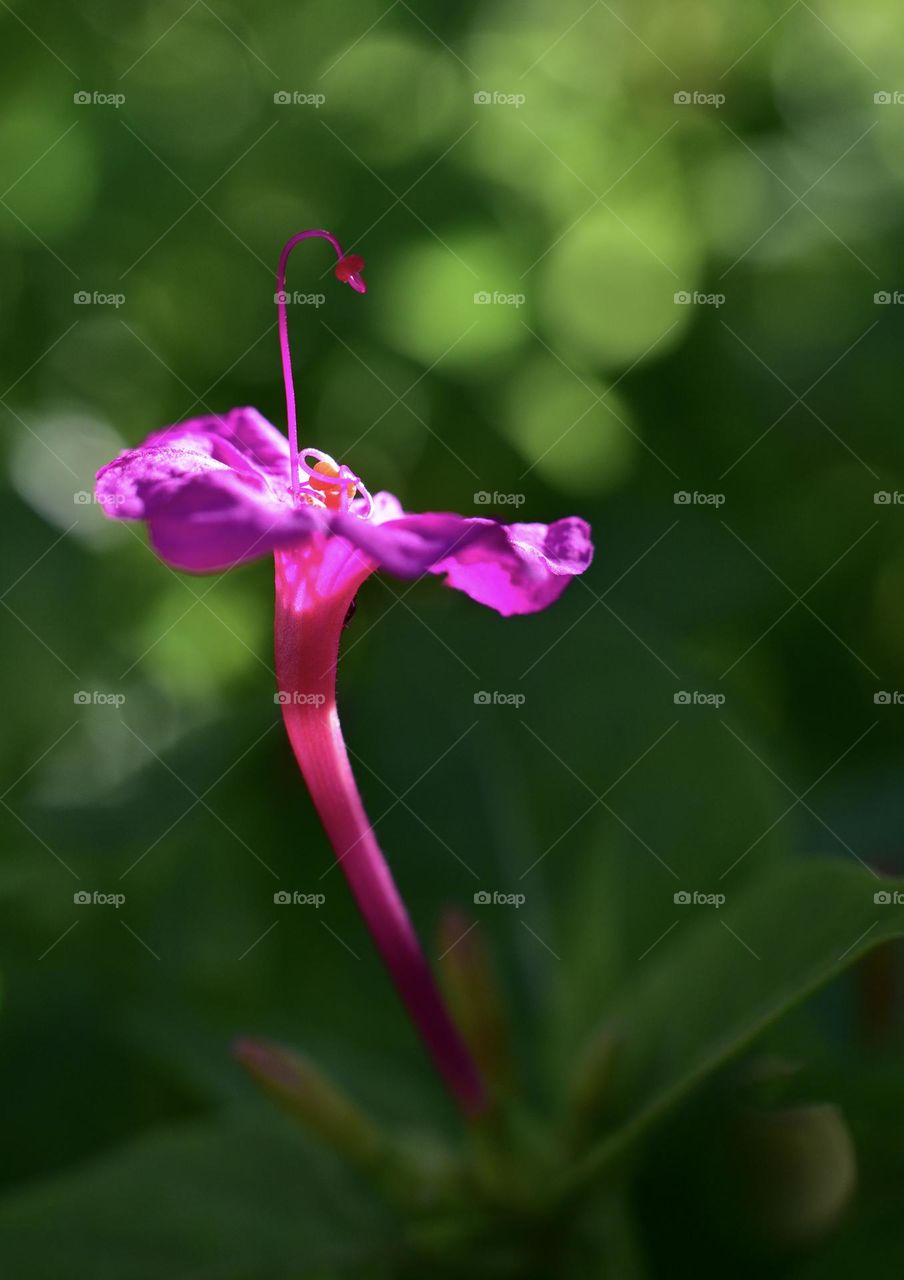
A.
x: 315, y: 587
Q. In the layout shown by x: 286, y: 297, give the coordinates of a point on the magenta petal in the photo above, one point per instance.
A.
x: 214, y: 521
x: 242, y: 439
x: 517, y: 568
x: 129, y: 487
x: 214, y: 491
x: 202, y: 515
x: 133, y: 485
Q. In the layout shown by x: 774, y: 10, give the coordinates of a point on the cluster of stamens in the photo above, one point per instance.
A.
x: 331, y: 484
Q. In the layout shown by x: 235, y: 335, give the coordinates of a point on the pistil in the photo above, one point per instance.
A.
x: 348, y: 270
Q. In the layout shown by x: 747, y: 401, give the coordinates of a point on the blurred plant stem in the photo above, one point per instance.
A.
x: 589, y: 1088
x: 471, y: 986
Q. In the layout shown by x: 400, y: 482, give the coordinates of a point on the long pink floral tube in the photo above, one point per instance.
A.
x: 315, y: 586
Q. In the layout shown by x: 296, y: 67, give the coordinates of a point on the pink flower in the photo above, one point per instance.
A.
x: 219, y: 490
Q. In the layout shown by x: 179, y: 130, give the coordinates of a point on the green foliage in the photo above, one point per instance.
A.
x: 238, y: 1200
x: 581, y: 212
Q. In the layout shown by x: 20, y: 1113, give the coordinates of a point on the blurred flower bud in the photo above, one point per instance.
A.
x: 800, y: 1167
x: 300, y: 1088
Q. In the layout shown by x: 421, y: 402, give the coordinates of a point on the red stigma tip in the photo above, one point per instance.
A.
x: 348, y: 270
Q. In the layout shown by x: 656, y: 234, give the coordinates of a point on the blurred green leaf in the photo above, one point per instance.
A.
x: 738, y: 968
x: 236, y: 1200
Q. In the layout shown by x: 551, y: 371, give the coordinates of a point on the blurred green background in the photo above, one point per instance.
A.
x: 615, y: 254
